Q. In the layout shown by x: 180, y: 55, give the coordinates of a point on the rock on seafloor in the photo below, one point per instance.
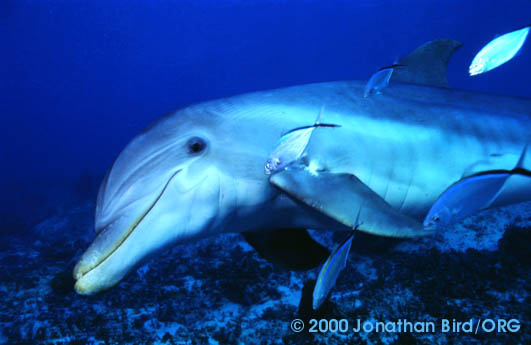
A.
x: 219, y: 291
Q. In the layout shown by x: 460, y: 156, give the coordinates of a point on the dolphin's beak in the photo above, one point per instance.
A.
x: 108, y: 259
x: 183, y: 209
x: 99, y: 259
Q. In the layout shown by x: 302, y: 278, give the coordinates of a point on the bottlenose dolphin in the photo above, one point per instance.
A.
x: 199, y: 171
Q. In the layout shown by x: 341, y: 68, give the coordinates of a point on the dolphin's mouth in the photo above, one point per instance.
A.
x: 105, y: 245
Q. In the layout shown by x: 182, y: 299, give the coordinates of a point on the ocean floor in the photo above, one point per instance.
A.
x: 219, y: 291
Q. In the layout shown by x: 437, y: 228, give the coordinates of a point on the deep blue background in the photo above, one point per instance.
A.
x: 80, y: 78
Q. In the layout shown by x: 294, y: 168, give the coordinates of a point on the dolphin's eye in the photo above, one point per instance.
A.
x: 196, y: 145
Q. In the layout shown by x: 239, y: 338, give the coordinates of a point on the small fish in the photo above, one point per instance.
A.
x: 291, y: 145
x: 470, y: 195
x: 380, y: 79
x: 327, y: 277
x: 498, y: 51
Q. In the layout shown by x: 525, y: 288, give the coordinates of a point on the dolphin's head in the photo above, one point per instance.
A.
x: 182, y: 178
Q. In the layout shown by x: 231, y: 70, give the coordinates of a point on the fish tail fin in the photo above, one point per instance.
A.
x: 318, y: 120
x: 357, y: 223
x: 521, y: 160
x: 519, y: 168
x: 395, y: 61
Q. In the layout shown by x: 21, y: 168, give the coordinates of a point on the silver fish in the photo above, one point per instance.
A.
x: 327, y: 277
x: 379, y: 80
x: 291, y: 145
x: 470, y: 195
x: 498, y: 51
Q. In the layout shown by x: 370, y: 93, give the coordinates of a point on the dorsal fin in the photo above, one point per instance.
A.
x: 427, y: 64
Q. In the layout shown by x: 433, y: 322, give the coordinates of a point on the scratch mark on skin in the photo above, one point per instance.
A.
x: 408, y: 188
x: 389, y: 179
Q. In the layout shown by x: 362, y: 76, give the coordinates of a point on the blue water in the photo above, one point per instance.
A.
x: 79, y: 79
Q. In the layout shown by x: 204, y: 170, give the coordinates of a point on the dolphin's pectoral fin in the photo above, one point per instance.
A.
x: 342, y: 197
x: 427, y: 64
x: 292, y: 249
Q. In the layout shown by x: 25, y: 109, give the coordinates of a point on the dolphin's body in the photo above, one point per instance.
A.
x: 200, y: 170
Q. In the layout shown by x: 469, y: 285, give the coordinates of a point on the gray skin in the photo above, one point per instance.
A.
x: 407, y: 144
